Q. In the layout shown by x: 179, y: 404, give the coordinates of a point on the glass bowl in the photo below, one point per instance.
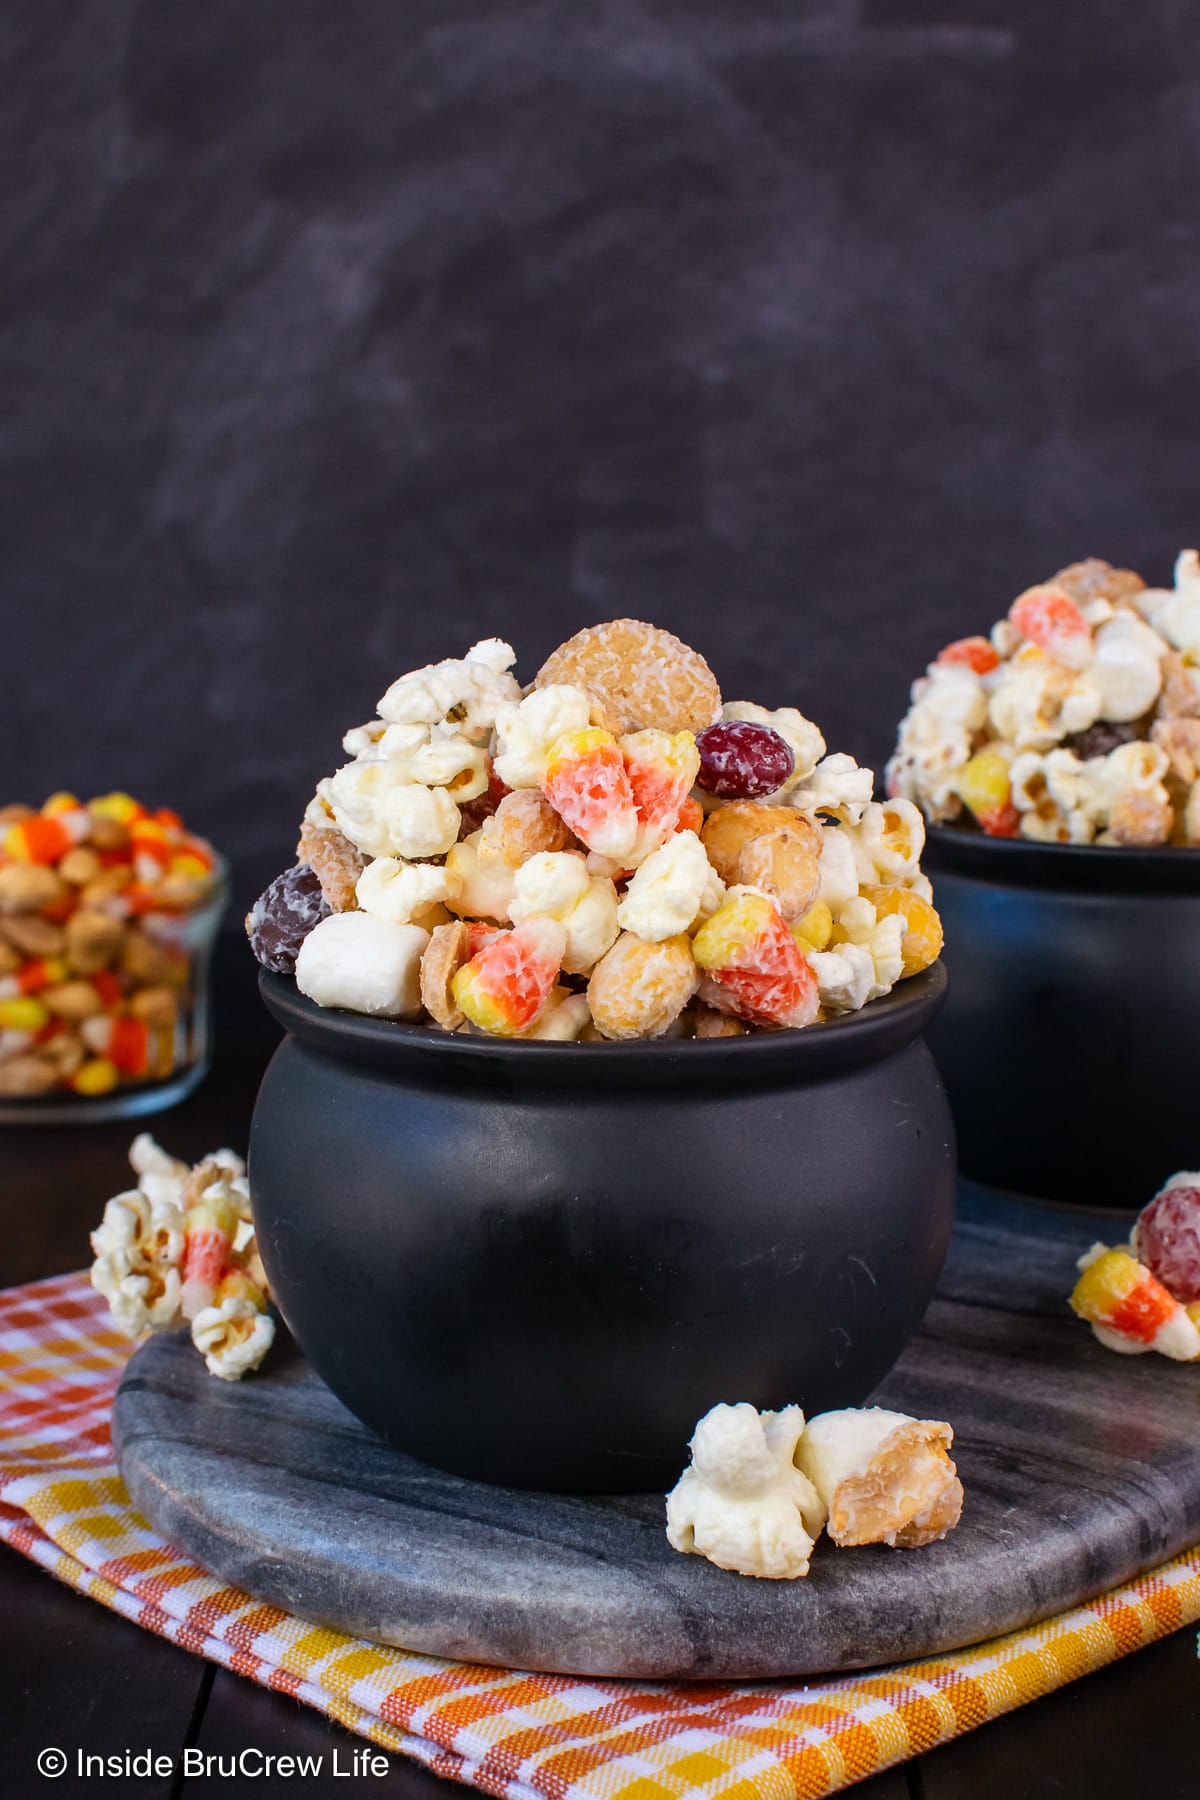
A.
x: 181, y: 1042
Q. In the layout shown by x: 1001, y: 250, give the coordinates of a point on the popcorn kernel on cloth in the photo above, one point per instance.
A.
x: 1086, y: 665
x: 584, y: 819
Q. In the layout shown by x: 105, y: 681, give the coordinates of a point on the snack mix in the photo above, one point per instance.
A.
x: 761, y: 1487
x: 1146, y: 1295
x: 96, y: 957
x: 1076, y: 722
x: 179, y: 1249
x: 611, y: 853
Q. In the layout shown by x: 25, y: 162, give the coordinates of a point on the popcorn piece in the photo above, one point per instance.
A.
x: 400, y: 891
x: 477, y: 889
x: 639, y: 989
x: 888, y: 841
x: 384, y: 814
x: 752, y: 965
x: 644, y: 676
x: 526, y: 731
x: 671, y: 889
x: 1175, y: 615
x: 837, y: 785
x: 558, y: 886
x: 586, y: 783
x: 233, y: 1336
x: 860, y: 927
x: 138, y: 1247
x: 1129, y: 1310
x: 742, y: 1503
x: 838, y: 868
x: 882, y: 1477
x: 470, y: 691
x: 505, y: 986
x: 363, y: 963
x: 805, y: 740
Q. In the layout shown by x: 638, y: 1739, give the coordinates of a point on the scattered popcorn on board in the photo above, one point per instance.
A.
x: 178, y: 1249
x: 1076, y: 722
x: 761, y: 1487
x: 610, y: 854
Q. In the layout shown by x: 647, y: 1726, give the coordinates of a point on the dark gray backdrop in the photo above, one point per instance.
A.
x: 336, y: 335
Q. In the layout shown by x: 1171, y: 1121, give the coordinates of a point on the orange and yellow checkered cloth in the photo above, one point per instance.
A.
x: 508, y: 1732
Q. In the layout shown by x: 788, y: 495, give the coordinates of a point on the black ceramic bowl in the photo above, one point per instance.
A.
x: 539, y: 1264
x: 1069, y: 1043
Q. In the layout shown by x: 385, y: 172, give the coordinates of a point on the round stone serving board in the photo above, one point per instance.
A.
x: 1081, y: 1470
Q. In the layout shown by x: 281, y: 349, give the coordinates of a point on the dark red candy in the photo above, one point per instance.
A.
x: 1168, y: 1241
x: 740, y: 760
x: 282, y: 917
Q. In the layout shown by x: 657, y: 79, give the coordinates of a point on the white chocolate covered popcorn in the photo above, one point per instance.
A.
x: 742, y: 1503
x: 525, y: 731
x: 471, y: 690
x: 399, y: 891
x: 385, y: 814
x: 882, y: 1477
x: 837, y: 785
x: 233, y: 1337
x: 673, y: 889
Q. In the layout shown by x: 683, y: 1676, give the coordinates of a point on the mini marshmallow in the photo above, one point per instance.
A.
x: 1127, y: 668
x: 365, y: 964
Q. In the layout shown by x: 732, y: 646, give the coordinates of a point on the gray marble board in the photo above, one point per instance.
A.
x: 1081, y: 1470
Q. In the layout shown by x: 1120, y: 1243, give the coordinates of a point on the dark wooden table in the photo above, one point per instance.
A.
x: 76, y: 1677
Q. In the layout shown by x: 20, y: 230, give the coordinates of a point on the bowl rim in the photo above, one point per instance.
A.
x: 1100, y: 868
x: 880, y: 1029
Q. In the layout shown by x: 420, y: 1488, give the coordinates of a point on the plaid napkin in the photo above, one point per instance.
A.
x: 508, y: 1732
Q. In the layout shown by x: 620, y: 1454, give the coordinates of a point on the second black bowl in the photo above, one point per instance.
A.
x: 1069, y: 1042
